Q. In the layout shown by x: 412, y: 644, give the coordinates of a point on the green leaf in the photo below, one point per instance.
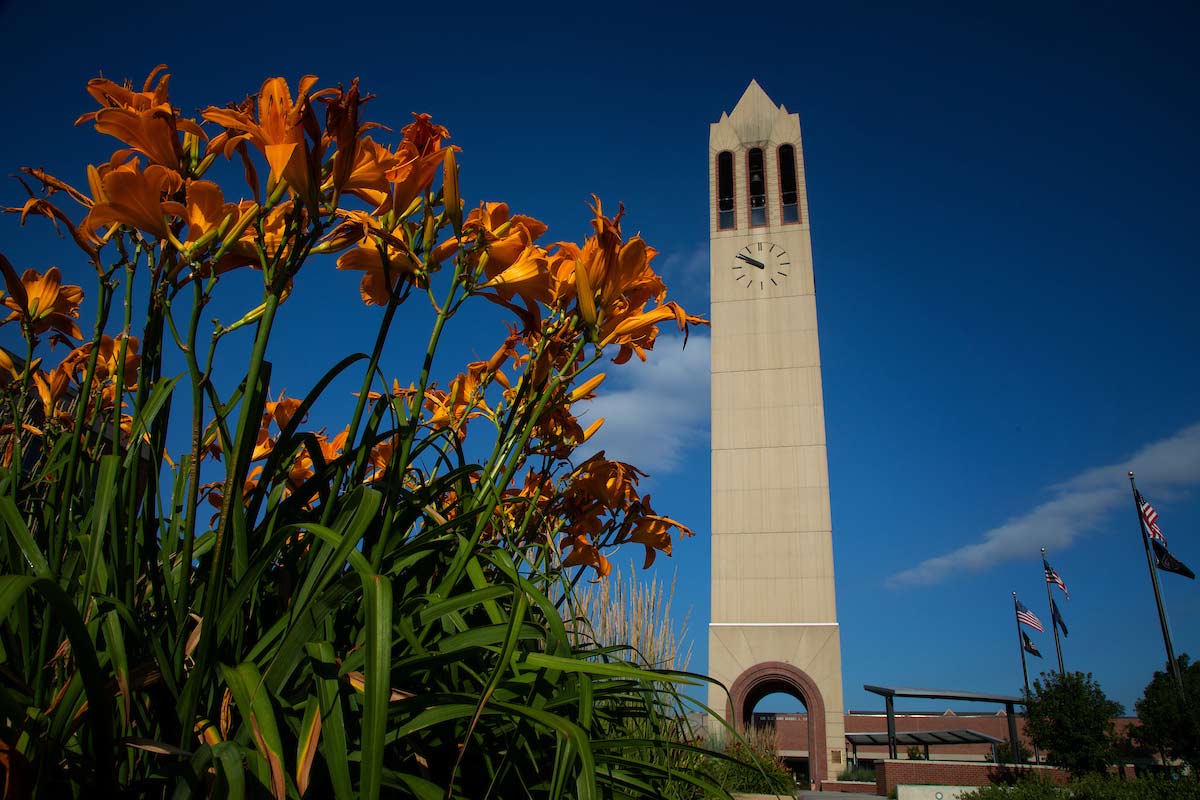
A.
x: 16, y: 527
x: 96, y: 571
x: 611, y: 669
x: 145, y: 416
x: 230, y: 773
x: 333, y: 740
x: 307, y: 739
x: 254, y: 702
x: 99, y: 713
x: 377, y: 596
x: 114, y: 642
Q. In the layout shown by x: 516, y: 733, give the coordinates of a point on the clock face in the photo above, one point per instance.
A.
x: 761, y: 265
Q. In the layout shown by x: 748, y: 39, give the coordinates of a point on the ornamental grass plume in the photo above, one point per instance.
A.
x: 378, y: 604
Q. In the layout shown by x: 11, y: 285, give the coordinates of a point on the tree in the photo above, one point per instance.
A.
x: 1071, y: 720
x: 1167, y: 725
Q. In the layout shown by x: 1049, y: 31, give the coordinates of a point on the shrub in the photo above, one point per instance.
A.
x: 751, y: 765
x: 859, y: 774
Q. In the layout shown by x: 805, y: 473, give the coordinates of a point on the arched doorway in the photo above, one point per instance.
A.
x: 772, y: 677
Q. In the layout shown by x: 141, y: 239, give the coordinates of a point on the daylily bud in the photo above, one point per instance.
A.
x: 583, y: 289
x: 595, y: 426
x: 450, y: 190
x: 429, y: 236
x: 586, y: 388
x: 208, y: 732
x: 253, y: 315
x: 237, y: 230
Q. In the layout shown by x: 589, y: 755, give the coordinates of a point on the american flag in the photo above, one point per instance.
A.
x: 1053, y: 577
x: 1024, y: 615
x: 1150, y: 517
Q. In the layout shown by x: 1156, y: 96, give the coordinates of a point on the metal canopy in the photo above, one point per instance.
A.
x: 944, y: 694
x: 959, y: 736
x: 890, y: 693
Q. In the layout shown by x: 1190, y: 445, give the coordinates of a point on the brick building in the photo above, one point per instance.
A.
x: 791, y: 731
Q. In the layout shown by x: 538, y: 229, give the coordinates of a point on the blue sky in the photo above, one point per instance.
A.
x: 1003, y: 202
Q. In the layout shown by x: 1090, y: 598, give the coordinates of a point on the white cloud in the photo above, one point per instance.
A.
x: 1080, y: 504
x: 655, y: 411
x: 686, y: 265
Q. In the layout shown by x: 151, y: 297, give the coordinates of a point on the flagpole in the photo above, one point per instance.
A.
x: 1024, y: 672
x: 1162, y: 613
x: 1053, y: 624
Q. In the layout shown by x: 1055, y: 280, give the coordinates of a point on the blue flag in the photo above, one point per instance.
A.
x: 1056, y: 618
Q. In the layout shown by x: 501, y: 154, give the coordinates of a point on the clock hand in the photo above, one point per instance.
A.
x: 749, y: 260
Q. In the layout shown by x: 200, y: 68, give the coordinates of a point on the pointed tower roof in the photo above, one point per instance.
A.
x: 756, y: 118
x: 754, y: 100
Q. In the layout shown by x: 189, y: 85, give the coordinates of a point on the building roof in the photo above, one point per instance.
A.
x: 959, y: 736
x: 943, y: 694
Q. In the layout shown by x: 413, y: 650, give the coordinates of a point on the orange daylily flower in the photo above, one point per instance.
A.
x: 654, y: 532
x: 504, y: 237
x: 263, y: 445
x: 482, y: 371
x: 285, y: 132
x: 558, y: 433
x: 244, y: 252
x: 636, y: 331
x: 612, y: 483
x: 423, y: 135
x: 380, y: 458
x: 213, y: 491
x: 528, y: 277
x: 40, y: 206
x: 41, y: 301
x: 52, y: 389
x: 377, y: 283
x: 417, y: 159
x: 143, y: 120
x: 108, y: 363
x: 358, y: 227
x: 328, y: 450
x: 8, y: 368
x: 107, y: 360
x: 125, y: 195
x: 282, y: 411
x: 52, y: 184
x: 451, y: 409
x: 366, y: 177
x: 343, y: 128
x: 608, y: 272
x: 584, y: 553
x: 206, y: 209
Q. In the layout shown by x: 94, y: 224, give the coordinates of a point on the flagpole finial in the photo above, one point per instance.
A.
x: 1131, y: 473
x: 1043, y: 551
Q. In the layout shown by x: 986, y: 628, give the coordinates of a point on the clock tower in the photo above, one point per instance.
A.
x: 774, y: 616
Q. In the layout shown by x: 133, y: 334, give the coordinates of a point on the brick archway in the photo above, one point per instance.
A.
x: 770, y: 677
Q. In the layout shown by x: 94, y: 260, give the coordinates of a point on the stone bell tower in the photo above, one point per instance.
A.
x: 774, y: 616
